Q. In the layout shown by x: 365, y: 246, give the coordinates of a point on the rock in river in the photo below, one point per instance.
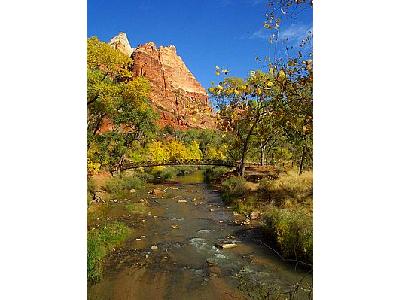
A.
x: 156, y: 192
x: 225, y: 245
x: 254, y: 215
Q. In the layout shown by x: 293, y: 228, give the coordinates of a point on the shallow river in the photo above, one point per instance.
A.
x: 186, y: 264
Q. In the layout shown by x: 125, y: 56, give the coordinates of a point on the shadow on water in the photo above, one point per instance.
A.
x: 172, y: 253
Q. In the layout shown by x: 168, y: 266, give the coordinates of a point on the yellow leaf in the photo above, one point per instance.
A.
x: 281, y: 75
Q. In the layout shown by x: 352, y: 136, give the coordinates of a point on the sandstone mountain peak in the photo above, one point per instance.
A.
x: 121, y: 43
x: 175, y: 93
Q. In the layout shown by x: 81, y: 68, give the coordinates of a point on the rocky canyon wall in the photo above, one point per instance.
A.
x: 175, y: 94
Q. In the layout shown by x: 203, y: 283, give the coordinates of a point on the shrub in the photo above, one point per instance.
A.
x: 215, y: 173
x: 118, y: 187
x: 245, y: 207
x: 100, y: 243
x: 291, y: 231
x: 91, y: 189
x: 234, y: 186
x: 145, y: 176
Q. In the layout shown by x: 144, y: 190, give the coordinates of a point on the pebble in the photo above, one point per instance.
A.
x: 154, y: 247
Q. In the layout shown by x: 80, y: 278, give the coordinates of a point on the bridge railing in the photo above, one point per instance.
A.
x: 130, y: 165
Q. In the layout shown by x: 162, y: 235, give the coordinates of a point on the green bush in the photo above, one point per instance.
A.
x: 100, y: 242
x: 291, y: 230
x: 145, y: 176
x: 122, y: 183
x: 234, y: 186
x: 91, y: 188
x: 214, y: 173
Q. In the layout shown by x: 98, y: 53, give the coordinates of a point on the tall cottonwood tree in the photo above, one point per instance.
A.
x: 242, y: 105
x: 116, y: 98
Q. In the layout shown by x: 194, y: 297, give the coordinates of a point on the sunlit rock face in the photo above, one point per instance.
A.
x: 121, y: 43
x: 178, y: 97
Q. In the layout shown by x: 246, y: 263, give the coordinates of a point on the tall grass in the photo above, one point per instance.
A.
x: 290, y: 188
x: 291, y: 231
x: 233, y: 187
x: 100, y: 242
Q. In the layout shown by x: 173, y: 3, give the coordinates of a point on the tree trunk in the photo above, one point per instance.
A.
x: 119, y: 166
x: 303, y: 154
x: 242, y: 166
x: 262, y: 158
x: 246, y: 145
x: 241, y: 169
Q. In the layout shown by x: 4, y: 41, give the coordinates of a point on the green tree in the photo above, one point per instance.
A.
x: 115, y: 98
x: 243, y: 104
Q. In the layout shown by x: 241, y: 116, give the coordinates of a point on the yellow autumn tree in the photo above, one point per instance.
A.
x: 193, y: 151
x: 216, y: 153
x: 157, y: 152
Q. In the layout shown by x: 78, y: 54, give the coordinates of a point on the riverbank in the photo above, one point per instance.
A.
x: 280, y: 203
x: 178, y: 230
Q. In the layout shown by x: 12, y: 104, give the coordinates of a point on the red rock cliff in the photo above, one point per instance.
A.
x: 175, y: 93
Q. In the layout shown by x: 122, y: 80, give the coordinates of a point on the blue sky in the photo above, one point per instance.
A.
x: 227, y: 33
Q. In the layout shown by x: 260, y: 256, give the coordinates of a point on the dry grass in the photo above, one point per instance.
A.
x: 289, y: 189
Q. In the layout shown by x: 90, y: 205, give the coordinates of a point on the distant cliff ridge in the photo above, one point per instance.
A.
x: 175, y: 93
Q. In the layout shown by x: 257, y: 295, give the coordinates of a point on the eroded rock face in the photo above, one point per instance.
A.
x: 121, y: 43
x: 176, y: 94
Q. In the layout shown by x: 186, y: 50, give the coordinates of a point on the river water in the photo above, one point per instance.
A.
x: 172, y: 252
